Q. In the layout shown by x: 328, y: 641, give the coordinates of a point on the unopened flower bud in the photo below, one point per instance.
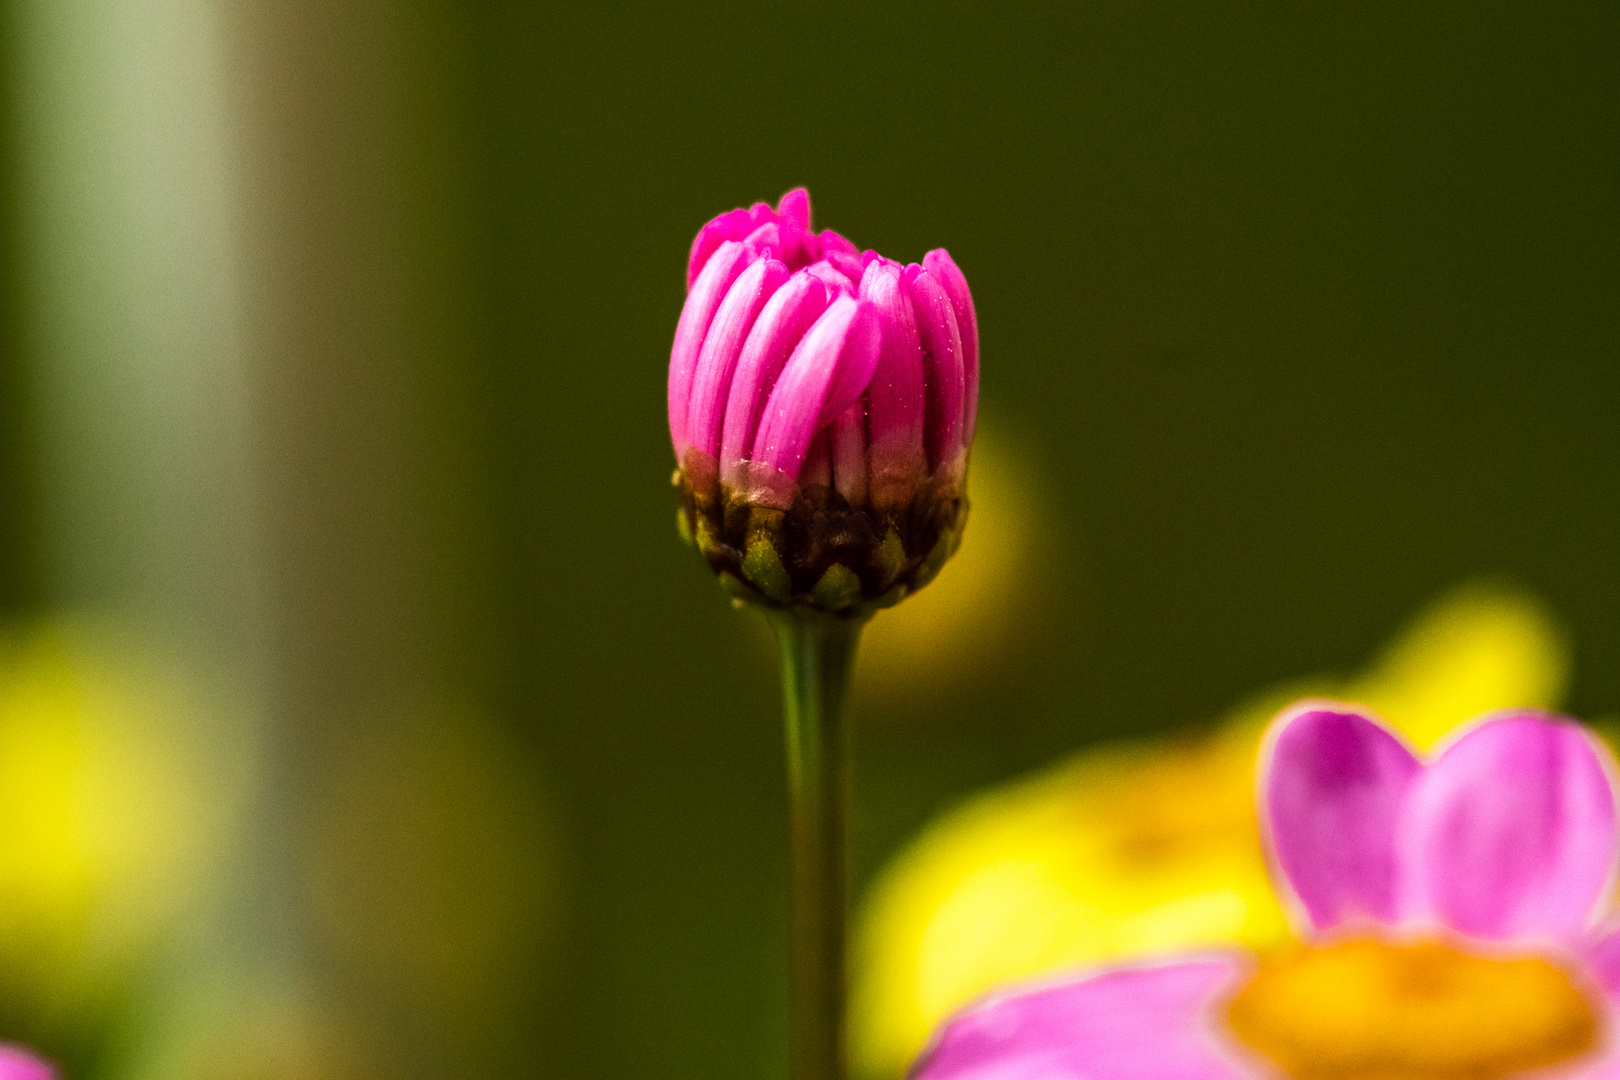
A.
x: 822, y: 404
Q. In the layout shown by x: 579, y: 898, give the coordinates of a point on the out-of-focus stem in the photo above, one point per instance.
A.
x: 818, y: 652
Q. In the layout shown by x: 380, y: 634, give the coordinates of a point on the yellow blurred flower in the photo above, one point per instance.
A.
x: 114, y: 804
x: 1151, y: 846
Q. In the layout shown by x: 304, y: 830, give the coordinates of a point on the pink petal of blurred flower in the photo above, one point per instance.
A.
x: 1146, y: 1023
x: 18, y: 1064
x: 1507, y: 836
x: 1510, y: 833
x: 1335, y: 783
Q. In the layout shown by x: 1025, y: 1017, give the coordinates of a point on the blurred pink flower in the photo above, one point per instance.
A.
x: 18, y: 1064
x: 808, y: 378
x: 1449, y: 913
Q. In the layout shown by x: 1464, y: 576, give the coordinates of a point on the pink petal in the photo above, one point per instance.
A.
x: 1333, y: 786
x: 794, y: 208
x: 896, y: 403
x: 711, y: 384
x: 781, y: 324
x: 18, y: 1064
x: 1146, y: 1023
x: 834, y: 244
x: 1510, y: 834
x: 833, y: 278
x: 766, y: 240
x: 848, y: 264
x: 1603, y: 962
x: 701, y: 303
x: 825, y: 374
x: 942, y: 366
x: 944, y: 269
x: 731, y: 225
x: 849, y: 454
x: 817, y: 468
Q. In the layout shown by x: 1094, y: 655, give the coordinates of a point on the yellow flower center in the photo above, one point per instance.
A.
x: 1371, y: 1010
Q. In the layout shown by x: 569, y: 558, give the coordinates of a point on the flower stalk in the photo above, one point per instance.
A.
x: 818, y: 652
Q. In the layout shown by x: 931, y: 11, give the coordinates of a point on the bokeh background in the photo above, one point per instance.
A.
x: 364, y: 715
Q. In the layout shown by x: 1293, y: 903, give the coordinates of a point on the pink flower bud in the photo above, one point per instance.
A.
x: 821, y: 406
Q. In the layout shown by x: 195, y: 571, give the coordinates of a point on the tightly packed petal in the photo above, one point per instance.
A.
x: 822, y: 378
x: 821, y: 408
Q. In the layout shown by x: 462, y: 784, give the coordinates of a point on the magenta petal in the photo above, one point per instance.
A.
x: 1333, y: 786
x: 18, y: 1064
x: 794, y: 208
x: 731, y: 225
x: 825, y: 374
x: 849, y: 454
x: 767, y: 239
x: 944, y: 269
x: 1602, y: 960
x: 701, y: 303
x: 942, y: 366
x: 833, y: 278
x: 832, y: 243
x: 1510, y: 834
x: 1147, y: 1023
x: 711, y: 385
x: 784, y: 320
x: 896, y: 403
x: 817, y: 469
x: 848, y: 264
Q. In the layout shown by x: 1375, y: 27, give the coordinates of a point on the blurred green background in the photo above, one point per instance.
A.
x: 333, y: 378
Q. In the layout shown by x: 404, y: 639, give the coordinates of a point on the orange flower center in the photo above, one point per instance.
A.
x: 1372, y: 1010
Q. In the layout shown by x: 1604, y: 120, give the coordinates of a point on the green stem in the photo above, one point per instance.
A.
x: 817, y: 654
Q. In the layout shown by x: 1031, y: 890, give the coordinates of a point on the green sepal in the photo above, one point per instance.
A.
x: 739, y: 590
x: 706, y: 541
x: 887, y: 599
x: 684, y: 526
x: 891, y: 556
x: 838, y: 589
x: 943, y: 547
x: 763, y: 568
